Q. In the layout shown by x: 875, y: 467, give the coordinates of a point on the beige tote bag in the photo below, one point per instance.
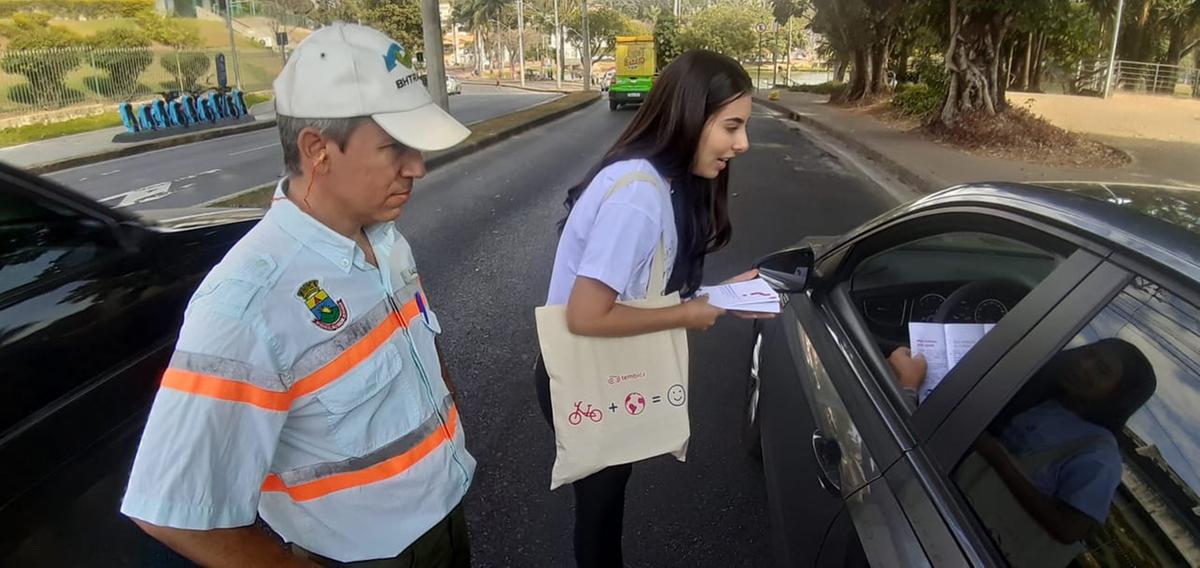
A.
x: 616, y: 400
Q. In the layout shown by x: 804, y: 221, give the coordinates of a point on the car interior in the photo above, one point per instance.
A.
x: 947, y: 278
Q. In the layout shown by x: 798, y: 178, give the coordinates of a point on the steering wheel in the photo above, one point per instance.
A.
x: 1009, y: 292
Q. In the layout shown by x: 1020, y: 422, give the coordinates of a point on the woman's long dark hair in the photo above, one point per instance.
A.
x: 666, y: 131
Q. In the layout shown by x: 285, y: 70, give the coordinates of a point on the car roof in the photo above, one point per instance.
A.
x: 1160, y: 223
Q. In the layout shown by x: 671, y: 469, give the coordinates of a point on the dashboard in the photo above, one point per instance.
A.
x: 893, y: 311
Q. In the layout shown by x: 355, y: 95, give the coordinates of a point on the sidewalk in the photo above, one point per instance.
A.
x: 929, y: 166
x: 35, y: 155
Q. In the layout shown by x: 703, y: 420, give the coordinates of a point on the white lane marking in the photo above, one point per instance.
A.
x: 142, y: 195
x: 254, y: 149
x: 82, y: 179
x: 188, y: 186
x: 196, y: 175
x: 110, y: 173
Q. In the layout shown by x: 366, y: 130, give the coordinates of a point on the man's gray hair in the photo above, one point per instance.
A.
x: 336, y: 129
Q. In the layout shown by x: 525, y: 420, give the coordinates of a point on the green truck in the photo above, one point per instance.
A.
x: 635, y: 71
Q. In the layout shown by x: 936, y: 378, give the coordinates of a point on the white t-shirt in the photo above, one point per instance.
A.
x: 613, y: 240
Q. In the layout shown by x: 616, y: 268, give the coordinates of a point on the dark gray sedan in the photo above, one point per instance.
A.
x: 1058, y: 420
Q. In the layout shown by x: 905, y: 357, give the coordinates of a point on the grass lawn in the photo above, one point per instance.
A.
x: 212, y: 33
x: 35, y: 132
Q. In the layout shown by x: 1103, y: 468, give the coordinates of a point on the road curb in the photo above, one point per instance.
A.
x: 923, y: 184
x: 483, y: 134
x: 134, y: 149
x: 488, y: 132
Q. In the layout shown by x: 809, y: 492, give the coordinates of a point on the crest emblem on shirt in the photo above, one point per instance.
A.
x: 328, y: 314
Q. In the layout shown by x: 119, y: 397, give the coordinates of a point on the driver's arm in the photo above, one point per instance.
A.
x: 910, y: 372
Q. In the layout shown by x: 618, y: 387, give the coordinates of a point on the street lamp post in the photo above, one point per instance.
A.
x: 435, y: 62
x: 521, y: 37
x: 760, y: 27
x: 1112, y: 54
x: 775, y: 58
x: 585, y: 58
x: 558, y: 54
x: 237, y: 73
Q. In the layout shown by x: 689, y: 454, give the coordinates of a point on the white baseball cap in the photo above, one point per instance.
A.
x: 346, y: 70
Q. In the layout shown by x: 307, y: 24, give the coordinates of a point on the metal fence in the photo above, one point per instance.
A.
x: 1138, y: 77
x: 45, y: 80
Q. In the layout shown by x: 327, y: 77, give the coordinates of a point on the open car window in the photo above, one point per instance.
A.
x: 941, y: 294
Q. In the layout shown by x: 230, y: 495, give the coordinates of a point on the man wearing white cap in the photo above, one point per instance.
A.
x: 306, y: 386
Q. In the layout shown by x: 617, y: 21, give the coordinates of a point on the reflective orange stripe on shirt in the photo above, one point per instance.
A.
x: 226, y: 389
x: 388, y: 468
x: 235, y: 391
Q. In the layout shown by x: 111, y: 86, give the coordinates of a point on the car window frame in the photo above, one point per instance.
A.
x: 832, y: 293
x: 954, y: 437
x: 49, y: 196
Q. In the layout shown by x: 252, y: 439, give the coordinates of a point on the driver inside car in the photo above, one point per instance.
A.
x: 1053, y: 451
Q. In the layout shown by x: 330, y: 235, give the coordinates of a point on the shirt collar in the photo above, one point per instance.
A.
x: 342, y: 251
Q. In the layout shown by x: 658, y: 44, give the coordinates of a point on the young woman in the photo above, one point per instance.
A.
x: 684, y: 136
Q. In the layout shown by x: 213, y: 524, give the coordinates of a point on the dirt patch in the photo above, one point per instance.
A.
x: 1019, y: 134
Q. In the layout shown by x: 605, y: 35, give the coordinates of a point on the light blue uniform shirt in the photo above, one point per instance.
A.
x: 306, y: 387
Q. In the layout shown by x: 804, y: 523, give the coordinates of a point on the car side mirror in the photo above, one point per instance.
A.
x: 787, y: 270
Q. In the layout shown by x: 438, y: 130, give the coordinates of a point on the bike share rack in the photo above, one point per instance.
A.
x: 174, y: 113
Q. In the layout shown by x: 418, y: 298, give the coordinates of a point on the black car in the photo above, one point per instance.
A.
x: 91, y: 300
x: 1068, y: 435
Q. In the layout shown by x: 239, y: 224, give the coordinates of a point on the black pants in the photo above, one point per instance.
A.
x: 599, y: 500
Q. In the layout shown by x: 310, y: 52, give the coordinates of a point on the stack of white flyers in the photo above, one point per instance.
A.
x: 749, y: 296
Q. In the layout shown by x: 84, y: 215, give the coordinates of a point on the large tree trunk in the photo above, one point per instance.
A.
x: 879, y: 59
x: 1039, y: 60
x: 1175, y: 45
x: 839, y: 70
x: 971, y: 63
x: 860, y: 79
x: 902, y: 61
x: 1025, y: 69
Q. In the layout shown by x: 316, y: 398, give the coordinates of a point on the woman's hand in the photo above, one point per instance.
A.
x: 699, y: 315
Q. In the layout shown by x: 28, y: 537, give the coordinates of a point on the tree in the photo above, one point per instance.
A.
x: 666, y: 38
x: 123, y: 53
x: 604, y: 25
x: 860, y: 32
x: 1182, y: 21
x: 175, y: 32
x: 478, y: 15
x: 724, y: 28
x: 399, y: 20
x: 187, y: 67
x: 44, y: 54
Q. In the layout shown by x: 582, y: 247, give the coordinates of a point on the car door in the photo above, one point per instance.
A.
x: 1106, y: 385
x: 88, y: 313
x: 866, y: 292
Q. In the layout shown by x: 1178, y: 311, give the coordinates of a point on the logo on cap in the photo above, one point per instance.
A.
x: 395, y: 54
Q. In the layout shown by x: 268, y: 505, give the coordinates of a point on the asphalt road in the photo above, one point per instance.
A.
x: 484, y: 236
x: 195, y: 173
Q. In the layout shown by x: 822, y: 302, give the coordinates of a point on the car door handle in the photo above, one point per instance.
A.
x: 829, y: 457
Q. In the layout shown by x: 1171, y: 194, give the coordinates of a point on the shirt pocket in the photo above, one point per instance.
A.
x: 425, y: 330
x: 352, y: 401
